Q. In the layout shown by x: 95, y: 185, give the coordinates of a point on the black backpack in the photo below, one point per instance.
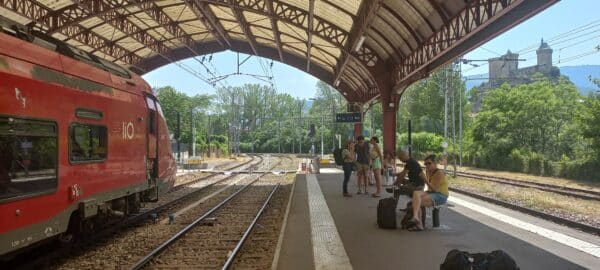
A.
x: 495, y: 260
x: 337, y: 155
x: 457, y: 260
x: 386, y: 213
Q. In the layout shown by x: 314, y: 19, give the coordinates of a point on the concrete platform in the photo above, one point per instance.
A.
x: 353, y: 240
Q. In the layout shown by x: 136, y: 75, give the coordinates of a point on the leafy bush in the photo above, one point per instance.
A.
x: 423, y: 143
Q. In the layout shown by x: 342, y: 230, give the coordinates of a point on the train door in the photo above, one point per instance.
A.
x: 152, y: 148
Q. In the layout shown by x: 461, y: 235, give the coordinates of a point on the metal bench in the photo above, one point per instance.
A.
x: 435, y: 214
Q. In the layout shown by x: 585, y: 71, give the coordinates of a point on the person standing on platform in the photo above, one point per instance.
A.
x: 376, y: 164
x: 363, y: 161
x: 416, y: 177
x: 349, y: 157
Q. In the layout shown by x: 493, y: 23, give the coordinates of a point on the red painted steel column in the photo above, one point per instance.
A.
x: 357, y: 129
x: 390, y: 107
x: 389, y: 103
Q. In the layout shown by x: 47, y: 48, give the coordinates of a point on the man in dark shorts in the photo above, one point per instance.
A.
x: 362, y: 162
x: 416, y: 177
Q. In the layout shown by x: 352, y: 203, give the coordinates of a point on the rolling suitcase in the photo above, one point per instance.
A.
x: 386, y: 213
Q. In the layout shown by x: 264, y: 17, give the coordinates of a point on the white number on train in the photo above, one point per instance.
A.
x: 128, y: 130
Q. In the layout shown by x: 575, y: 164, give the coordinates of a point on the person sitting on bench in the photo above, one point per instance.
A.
x: 437, y: 192
x: 416, y: 177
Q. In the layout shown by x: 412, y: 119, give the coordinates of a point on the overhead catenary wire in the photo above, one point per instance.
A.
x: 558, y: 39
x: 181, y: 65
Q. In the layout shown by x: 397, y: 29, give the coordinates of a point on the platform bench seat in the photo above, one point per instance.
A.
x: 435, y: 214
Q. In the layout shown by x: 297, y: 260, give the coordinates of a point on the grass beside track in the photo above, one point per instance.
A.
x: 580, y: 210
x: 579, y: 184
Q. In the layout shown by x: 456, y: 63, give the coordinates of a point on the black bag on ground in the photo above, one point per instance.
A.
x: 337, y: 155
x: 410, y: 214
x: 457, y: 260
x: 407, y: 217
x: 386, y: 213
x: 495, y: 260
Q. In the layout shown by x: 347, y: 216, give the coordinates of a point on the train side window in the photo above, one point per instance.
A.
x: 28, y: 158
x: 88, y: 143
x: 151, y: 116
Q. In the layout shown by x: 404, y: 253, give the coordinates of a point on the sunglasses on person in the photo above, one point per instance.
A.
x: 427, y: 163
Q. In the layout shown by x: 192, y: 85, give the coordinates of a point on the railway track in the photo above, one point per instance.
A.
x: 567, y: 191
x: 124, y: 247
x: 187, y: 183
x: 180, y: 197
x: 216, y: 245
x: 573, y: 192
x: 207, y: 244
x: 576, y: 193
x: 556, y: 219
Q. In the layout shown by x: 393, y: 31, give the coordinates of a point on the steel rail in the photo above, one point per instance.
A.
x: 570, y: 223
x: 178, y: 187
x: 574, y: 192
x: 246, y: 235
x: 157, y: 251
x: 567, y: 191
x: 146, y: 259
x: 116, y: 226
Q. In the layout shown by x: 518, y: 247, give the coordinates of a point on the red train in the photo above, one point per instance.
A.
x: 82, y: 140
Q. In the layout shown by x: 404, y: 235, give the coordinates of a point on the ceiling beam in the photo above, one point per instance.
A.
x: 418, y: 11
x: 440, y: 10
x: 208, y: 18
x: 35, y: 12
x: 409, y: 28
x: 122, y: 22
x: 478, y: 22
x: 396, y: 54
x: 408, y: 45
x: 173, y: 28
x: 239, y: 16
x: 341, y: 9
x: 311, y: 20
x: 275, y: 28
x: 366, y: 13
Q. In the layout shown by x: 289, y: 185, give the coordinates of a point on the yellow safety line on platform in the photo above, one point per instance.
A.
x: 328, y: 249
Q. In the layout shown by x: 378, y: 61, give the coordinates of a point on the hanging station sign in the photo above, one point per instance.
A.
x: 354, y: 117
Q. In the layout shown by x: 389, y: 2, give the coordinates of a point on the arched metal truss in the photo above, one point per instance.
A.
x: 354, y: 45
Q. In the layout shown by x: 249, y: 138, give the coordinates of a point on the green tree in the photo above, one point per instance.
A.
x: 173, y: 102
x: 327, y: 103
x: 590, y: 121
x: 423, y: 103
x: 526, y: 120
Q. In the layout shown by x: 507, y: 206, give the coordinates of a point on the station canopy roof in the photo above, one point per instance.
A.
x: 353, y: 45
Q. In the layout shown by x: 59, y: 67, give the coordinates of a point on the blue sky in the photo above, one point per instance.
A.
x: 551, y: 25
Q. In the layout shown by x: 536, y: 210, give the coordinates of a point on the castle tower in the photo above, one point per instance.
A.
x: 503, y: 68
x: 544, y: 57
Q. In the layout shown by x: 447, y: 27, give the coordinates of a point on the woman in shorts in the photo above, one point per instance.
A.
x: 436, y: 194
x: 376, y: 164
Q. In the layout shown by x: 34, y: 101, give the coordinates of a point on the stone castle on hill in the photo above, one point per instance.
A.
x: 505, y: 69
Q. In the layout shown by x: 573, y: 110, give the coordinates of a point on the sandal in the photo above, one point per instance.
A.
x: 415, y: 229
x: 413, y: 222
x: 376, y: 195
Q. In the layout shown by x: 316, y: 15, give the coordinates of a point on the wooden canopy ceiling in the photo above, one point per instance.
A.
x: 354, y: 45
